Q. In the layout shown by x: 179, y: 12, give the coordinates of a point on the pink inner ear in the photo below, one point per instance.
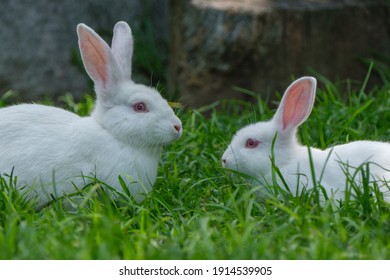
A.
x: 297, y: 104
x: 95, y: 58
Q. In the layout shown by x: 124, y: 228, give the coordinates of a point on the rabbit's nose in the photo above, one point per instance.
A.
x: 177, y: 127
x: 223, y: 162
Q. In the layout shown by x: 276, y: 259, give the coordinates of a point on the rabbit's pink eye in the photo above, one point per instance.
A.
x: 251, y: 143
x: 140, y: 107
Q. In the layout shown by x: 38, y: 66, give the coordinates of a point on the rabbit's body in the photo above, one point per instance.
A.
x: 333, y: 165
x: 252, y: 149
x: 51, y: 150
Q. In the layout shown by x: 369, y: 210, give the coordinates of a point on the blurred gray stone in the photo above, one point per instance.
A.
x: 37, y: 39
x: 261, y: 44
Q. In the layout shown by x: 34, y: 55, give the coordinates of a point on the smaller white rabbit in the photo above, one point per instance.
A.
x: 252, y: 150
x: 49, y: 148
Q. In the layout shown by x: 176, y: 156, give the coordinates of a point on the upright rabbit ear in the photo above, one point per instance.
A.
x: 97, y: 57
x: 296, y: 104
x: 122, y: 47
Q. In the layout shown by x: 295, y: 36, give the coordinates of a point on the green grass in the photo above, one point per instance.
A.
x: 197, y: 210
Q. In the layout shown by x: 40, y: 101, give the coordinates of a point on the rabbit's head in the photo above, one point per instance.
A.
x: 253, y: 146
x: 133, y: 113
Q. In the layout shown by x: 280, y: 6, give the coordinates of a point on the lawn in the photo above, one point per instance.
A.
x: 197, y: 210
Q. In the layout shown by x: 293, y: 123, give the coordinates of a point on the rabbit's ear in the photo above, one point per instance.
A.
x: 296, y: 104
x: 122, y: 47
x: 97, y: 57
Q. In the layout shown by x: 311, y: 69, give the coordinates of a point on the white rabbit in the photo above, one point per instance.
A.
x: 49, y: 148
x: 252, y: 148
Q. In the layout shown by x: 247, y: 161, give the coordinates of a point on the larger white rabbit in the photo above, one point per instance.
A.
x: 252, y: 148
x: 49, y: 148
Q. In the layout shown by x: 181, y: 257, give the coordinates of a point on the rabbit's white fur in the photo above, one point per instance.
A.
x: 331, y: 166
x: 49, y: 148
